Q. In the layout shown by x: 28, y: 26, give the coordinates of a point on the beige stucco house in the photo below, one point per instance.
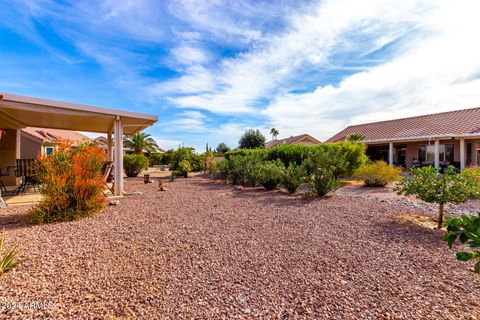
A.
x: 304, y: 139
x: 440, y: 139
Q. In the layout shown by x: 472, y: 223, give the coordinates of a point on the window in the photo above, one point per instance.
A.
x: 48, y: 150
x: 426, y: 153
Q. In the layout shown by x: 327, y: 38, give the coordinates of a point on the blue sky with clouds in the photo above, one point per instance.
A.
x: 211, y: 69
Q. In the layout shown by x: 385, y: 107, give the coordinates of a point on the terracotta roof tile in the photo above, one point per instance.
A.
x: 457, y: 122
x: 291, y: 140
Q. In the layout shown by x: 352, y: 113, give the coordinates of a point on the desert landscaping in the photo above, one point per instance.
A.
x: 205, y: 250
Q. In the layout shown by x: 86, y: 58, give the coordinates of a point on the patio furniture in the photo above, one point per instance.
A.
x: 106, y: 172
x: 4, y: 172
x: 25, y: 169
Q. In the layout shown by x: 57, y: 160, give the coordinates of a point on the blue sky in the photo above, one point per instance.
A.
x: 211, y: 69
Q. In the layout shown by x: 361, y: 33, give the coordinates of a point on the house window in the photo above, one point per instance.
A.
x: 48, y: 150
x: 426, y: 153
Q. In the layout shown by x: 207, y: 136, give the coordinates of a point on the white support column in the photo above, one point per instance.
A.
x: 390, y: 153
x: 437, y: 153
x: 110, y: 146
x: 462, y: 153
x: 118, y: 164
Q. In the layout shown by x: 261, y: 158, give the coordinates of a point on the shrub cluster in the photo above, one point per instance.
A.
x: 378, y: 174
x: 72, y: 184
x: 194, y: 160
x: 133, y: 164
x: 292, y: 165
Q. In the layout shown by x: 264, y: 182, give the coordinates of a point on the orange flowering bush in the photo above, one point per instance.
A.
x: 71, y: 182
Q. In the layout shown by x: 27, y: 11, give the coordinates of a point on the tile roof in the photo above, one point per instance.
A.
x: 52, y: 135
x: 291, y: 140
x: 459, y: 122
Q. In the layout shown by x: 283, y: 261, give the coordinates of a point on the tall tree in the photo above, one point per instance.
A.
x: 274, y: 132
x: 140, y: 142
x: 222, y: 148
x: 252, y: 139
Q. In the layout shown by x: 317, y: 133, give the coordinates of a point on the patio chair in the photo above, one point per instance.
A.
x: 25, y: 170
x: 106, y: 172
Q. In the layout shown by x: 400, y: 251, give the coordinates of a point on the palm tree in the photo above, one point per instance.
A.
x: 140, y: 142
x: 354, y: 138
x: 274, y: 132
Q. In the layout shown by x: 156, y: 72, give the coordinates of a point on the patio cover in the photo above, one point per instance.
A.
x: 17, y: 112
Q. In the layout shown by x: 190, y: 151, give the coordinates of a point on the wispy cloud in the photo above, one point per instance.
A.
x: 213, y: 69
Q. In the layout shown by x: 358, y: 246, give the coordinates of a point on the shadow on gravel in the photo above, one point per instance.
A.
x: 405, y: 232
x: 13, y: 221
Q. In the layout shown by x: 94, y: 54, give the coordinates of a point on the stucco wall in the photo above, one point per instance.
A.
x: 29, y: 148
x: 9, y: 152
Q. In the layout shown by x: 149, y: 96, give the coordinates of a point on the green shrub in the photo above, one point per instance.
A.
x: 212, y: 167
x: 186, y: 153
x: 245, y: 152
x: 432, y: 185
x: 378, y: 174
x: 184, y: 168
x: 167, y: 157
x: 467, y: 230
x: 292, y: 177
x: 270, y: 174
x: 289, y: 153
x: 154, y: 159
x: 133, y: 164
x: 9, y: 258
x: 351, y: 155
x: 323, y: 167
x: 241, y: 170
x: 71, y: 183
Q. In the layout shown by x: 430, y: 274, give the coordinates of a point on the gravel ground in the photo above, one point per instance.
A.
x: 204, y: 250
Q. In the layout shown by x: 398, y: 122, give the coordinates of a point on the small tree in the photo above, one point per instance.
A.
x: 133, y: 164
x: 467, y: 229
x: 222, y: 148
x: 431, y: 185
x: 252, y: 139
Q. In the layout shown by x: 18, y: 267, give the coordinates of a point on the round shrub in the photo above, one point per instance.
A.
x: 184, y: 167
x: 378, y: 174
x: 133, y: 164
x: 270, y: 174
x: 71, y: 184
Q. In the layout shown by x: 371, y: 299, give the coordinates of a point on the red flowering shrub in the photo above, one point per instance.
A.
x: 71, y: 182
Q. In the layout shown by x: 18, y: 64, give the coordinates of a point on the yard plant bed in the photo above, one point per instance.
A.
x: 204, y: 250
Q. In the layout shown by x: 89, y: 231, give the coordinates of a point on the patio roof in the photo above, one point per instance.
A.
x: 18, y: 112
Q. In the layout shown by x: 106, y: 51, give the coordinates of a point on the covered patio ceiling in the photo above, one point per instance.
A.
x: 18, y: 112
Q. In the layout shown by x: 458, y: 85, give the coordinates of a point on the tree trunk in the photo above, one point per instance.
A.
x: 440, y: 215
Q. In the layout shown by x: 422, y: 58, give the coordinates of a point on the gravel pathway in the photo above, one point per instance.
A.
x: 204, y: 250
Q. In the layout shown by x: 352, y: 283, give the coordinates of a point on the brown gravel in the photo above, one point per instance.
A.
x: 204, y: 250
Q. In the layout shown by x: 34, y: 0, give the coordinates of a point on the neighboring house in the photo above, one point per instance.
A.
x: 440, y: 139
x: 40, y: 141
x: 102, y: 142
x: 304, y: 139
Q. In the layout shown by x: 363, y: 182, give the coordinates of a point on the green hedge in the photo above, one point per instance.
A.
x: 244, y: 152
x: 352, y: 153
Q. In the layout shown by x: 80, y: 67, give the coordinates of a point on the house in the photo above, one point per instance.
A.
x: 43, y: 141
x: 20, y: 112
x: 440, y: 139
x: 304, y: 139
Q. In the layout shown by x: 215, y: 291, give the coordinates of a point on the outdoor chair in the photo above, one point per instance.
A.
x: 106, y: 172
x: 25, y: 170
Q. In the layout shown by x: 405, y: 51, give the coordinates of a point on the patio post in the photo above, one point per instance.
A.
x: 462, y: 153
x: 437, y: 153
x: 110, y: 146
x: 390, y: 153
x: 118, y: 164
